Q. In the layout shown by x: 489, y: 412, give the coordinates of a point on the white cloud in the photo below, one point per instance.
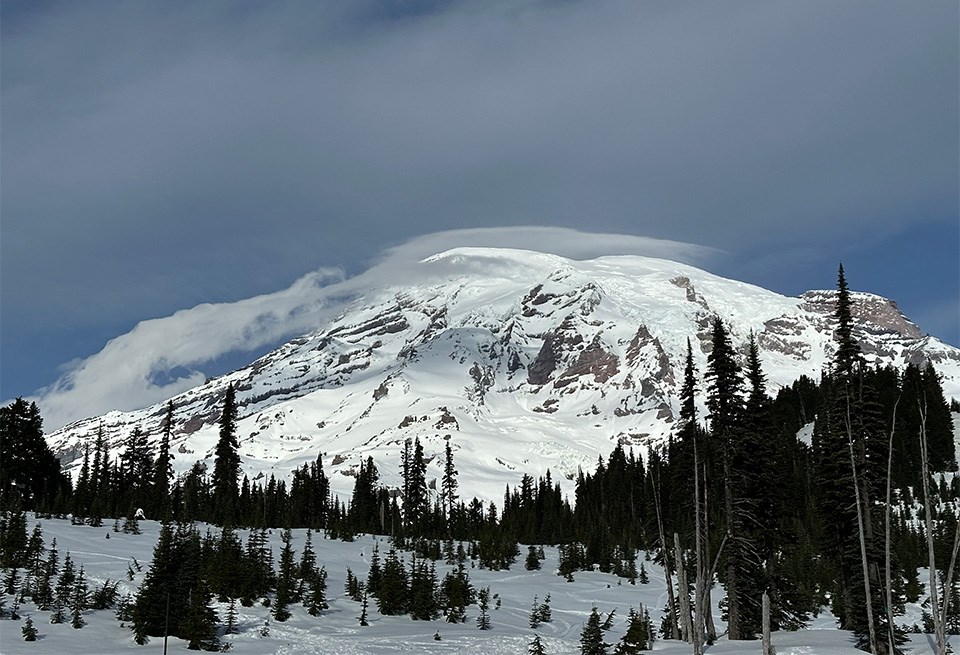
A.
x: 128, y: 372
x: 162, y: 357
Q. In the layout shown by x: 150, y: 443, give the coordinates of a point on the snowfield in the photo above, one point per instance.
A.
x: 337, y: 630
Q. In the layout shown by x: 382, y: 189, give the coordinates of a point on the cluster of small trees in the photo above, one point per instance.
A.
x: 36, y: 574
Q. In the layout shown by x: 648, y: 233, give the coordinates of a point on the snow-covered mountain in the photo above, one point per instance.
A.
x: 523, y: 361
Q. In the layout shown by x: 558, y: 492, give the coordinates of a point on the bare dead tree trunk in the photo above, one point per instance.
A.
x: 939, y: 628
x: 733, y: 591
x: 708, y: 589
x: 686, y: 624
x: 948, y: 583
x: 767, y: 647
x: 891, y: 637
x: 871, y: 629
x: 667, y: 575
x: 700, y: 556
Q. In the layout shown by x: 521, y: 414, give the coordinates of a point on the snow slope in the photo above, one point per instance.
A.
x: 523, y: 361
x: 337, y: 629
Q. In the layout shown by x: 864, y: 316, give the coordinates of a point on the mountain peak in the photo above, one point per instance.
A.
x: 522, y: 361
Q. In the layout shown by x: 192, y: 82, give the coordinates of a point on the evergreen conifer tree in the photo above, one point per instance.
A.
x: 591, y: 637
x: 725, y: 403
x: 449, y: 485
x: 78, y: 601
x: 546, y: 614
x: 375, y: 575
x: 308, y: 566
x: 637, y: 638
x: 535, y: 613
x: 363, y: 610
x: 456, y: 593
x: 414, y: 469
x: 30, y: 475
x: 392, y: 596
x: 199, y: 626
x: 29, y: 630
x: 163, y: 469
x: 483, y: 620
x: 226, y: 469
x: 317, y: 601
x: 423, y: 591
x: 532, y: 562
x: 231, y: 625
x: 65, y: 582
x: 536, y: 646
x: 848, y: 439
x: 11, y: 580
x: 286, y: 585
x: 136, y: 470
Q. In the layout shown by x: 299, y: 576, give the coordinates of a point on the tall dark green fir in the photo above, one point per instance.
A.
x: 226, y: 468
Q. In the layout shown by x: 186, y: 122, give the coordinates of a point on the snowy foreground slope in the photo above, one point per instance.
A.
x: 337, y: 629
x: 523, y: 361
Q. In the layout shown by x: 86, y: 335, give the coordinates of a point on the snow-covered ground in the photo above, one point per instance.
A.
x: 337, y: 630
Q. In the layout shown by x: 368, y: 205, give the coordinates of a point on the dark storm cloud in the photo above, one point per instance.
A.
x: 158, y: 155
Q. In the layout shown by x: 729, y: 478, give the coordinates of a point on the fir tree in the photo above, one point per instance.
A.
x: 163, y: 468
x: 199, y: 626
x: 535, y: 613
x: 637, y: 637
x: 546, y: 614
x: 136, y: 469
x: 11, y: 580
x: 392, y: 596
x: 104, y: 596
x: 375, y: 575
x: 532, y: 562
x: 848, y: 438
x: 308, y: 565
x: 726, y: 423
x: 13, y: 539
x: 423, y: 591
x: 285, y: 580
x: 226, y: 469
x: 30, y: 475
x: 456, y: 593
x: 78, y: 601
x: 124, y: 611
x: 848, y: 357
x: 65, y: 582
x: 317, y: 601
x: 483, y: 621
x: 591, y: 637
x: 352, y: 586
x: 643, y: 577
x: 448, y: 484
x: 57, y: 610
x: 414, y: 469
x: 231, y: 626
x: 29, y: 630
x: 363, y: 611
x: 33, y: 556
x: 536, y: 646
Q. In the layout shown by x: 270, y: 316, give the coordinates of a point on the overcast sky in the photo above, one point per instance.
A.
x: 156, y: 156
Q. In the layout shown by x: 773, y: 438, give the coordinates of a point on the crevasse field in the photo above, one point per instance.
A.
x: 337, y: 630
